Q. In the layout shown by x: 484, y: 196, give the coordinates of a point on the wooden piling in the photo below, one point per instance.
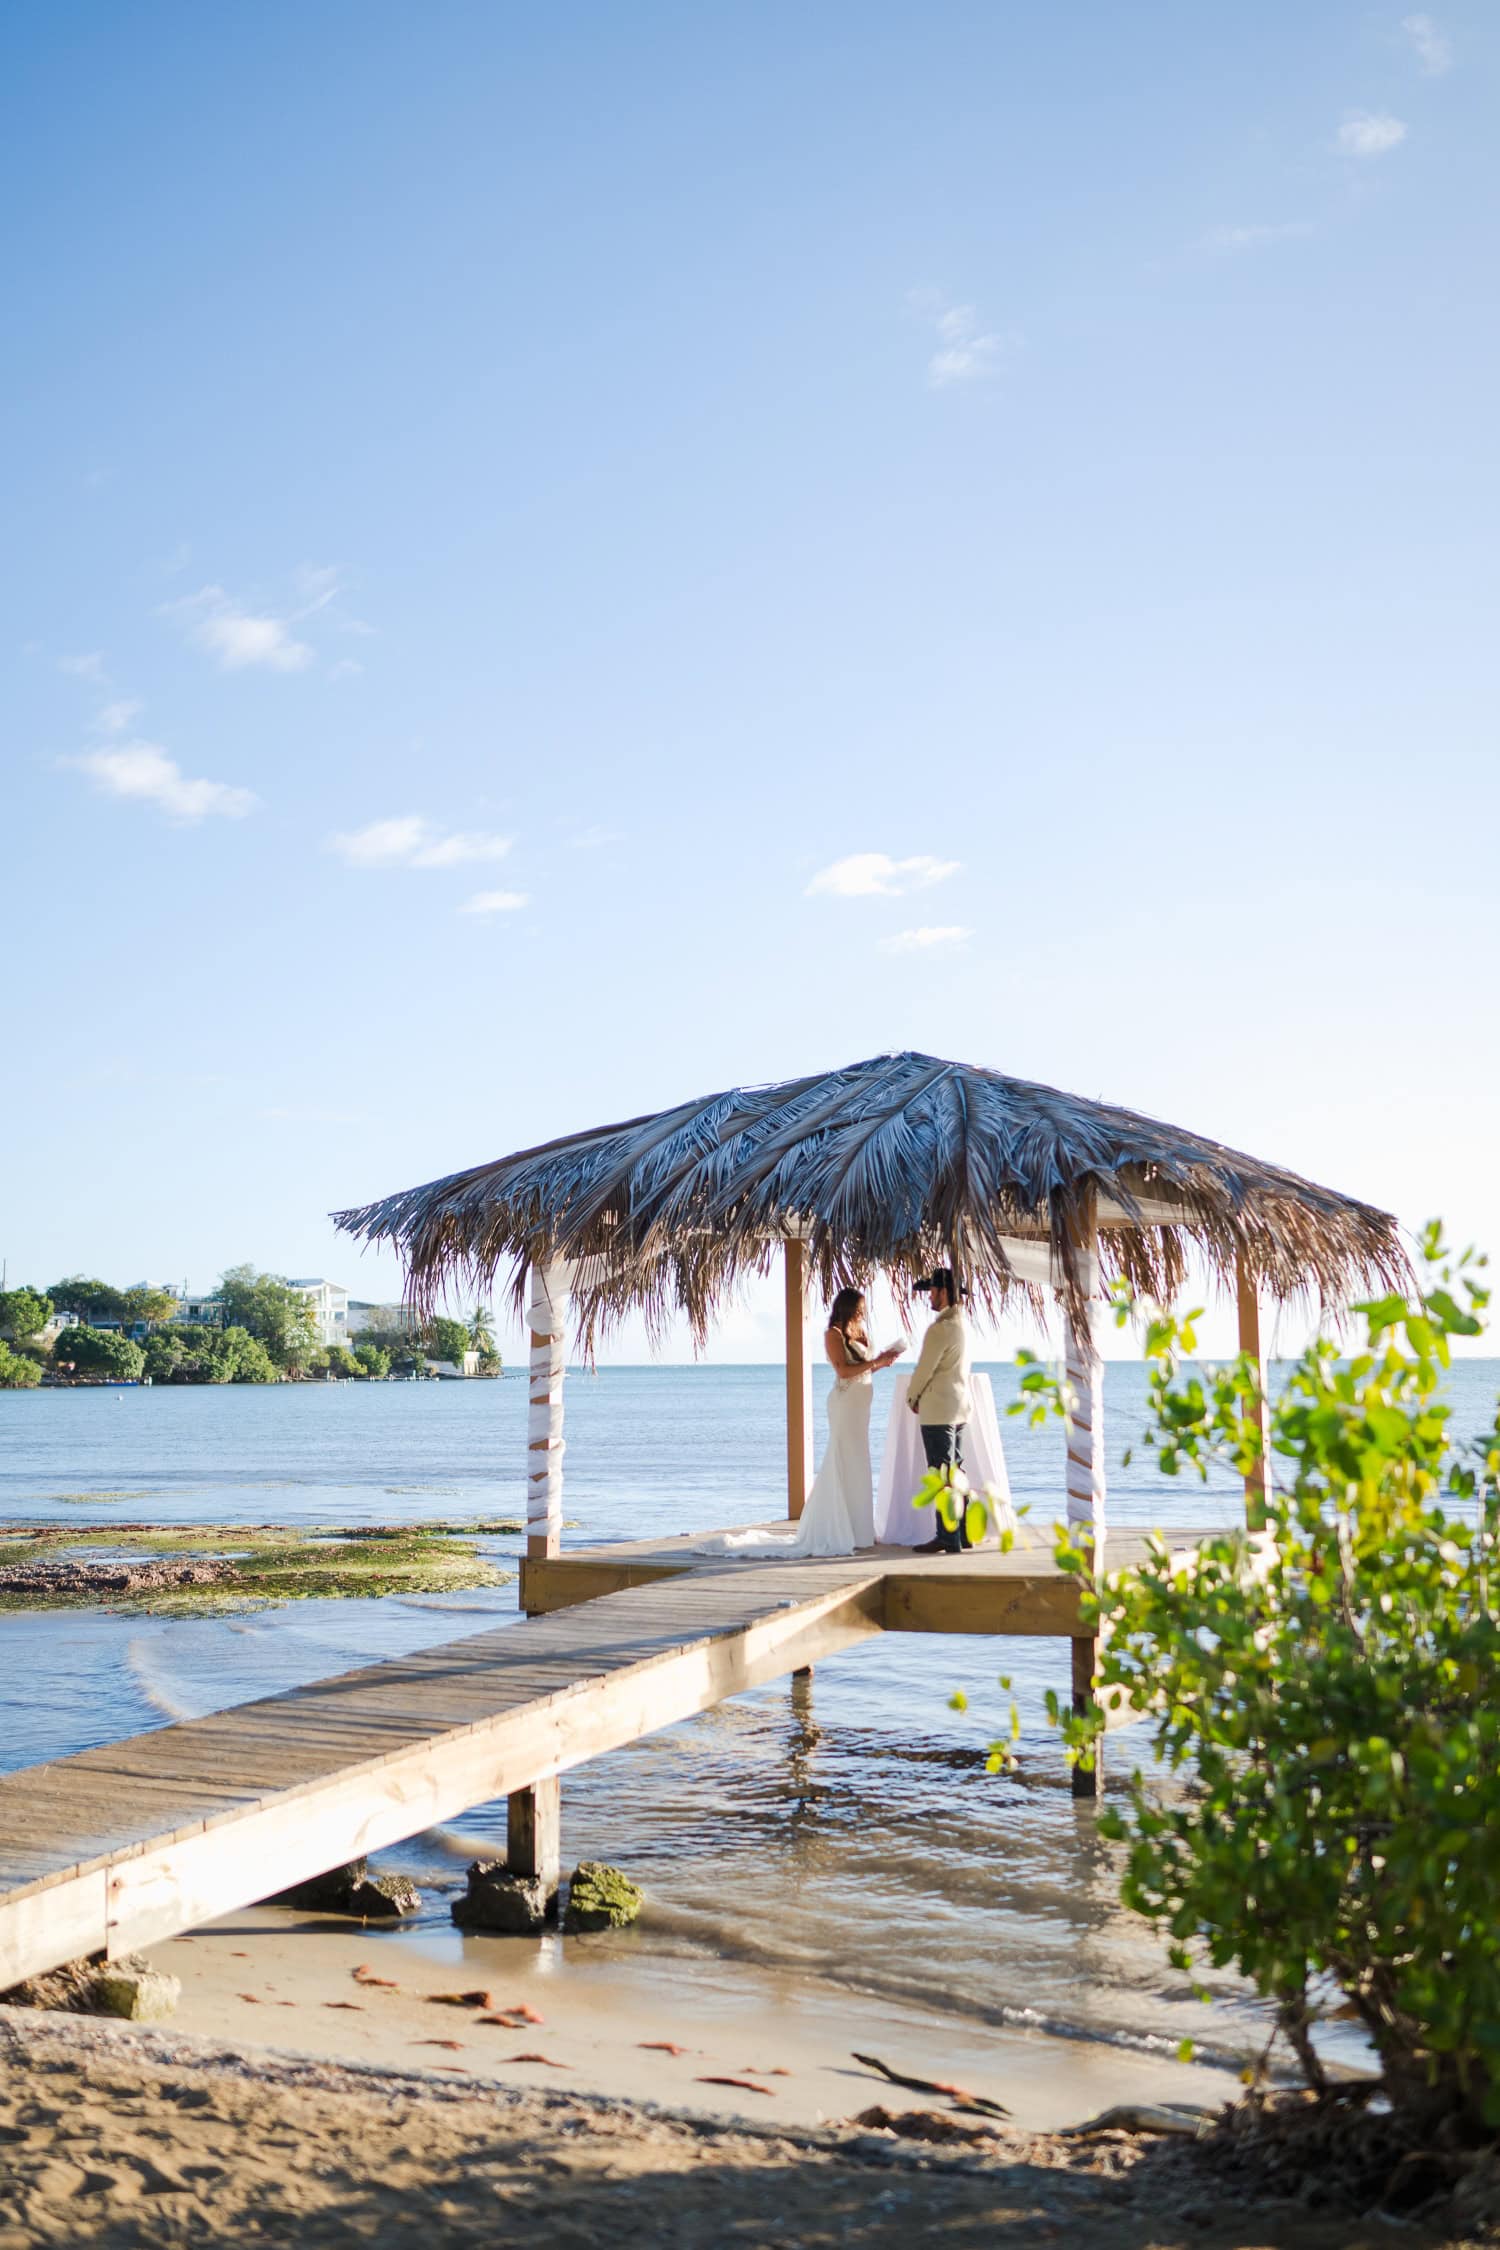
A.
x: 533, y: 1830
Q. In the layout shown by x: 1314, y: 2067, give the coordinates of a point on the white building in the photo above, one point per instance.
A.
x: 330, y: 1306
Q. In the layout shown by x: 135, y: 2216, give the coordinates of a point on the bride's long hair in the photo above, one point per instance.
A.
x: 845, y: 1305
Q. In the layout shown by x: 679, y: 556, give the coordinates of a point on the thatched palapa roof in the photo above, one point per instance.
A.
x: 899, y: 1163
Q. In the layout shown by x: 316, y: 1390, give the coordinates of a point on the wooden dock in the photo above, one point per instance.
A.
x: 122, y: 1846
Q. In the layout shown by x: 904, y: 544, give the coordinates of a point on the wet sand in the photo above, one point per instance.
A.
x: 273, y: 1978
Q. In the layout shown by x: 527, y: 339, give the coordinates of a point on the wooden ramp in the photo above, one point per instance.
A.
x: 122, y: 1846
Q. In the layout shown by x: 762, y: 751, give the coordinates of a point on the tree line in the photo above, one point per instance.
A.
x: 268, y: 1333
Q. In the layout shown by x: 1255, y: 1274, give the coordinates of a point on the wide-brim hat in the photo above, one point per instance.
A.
x: 941, y: 1277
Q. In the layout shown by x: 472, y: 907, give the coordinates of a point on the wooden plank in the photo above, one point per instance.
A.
x: 1021, y: 1606
x: 41, y: 1931
x: 557, y: 1582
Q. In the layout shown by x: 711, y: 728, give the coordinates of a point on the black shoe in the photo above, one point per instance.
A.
x: 930, y: 1547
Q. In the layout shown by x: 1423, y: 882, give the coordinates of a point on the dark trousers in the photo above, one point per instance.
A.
x: 943, y: 1444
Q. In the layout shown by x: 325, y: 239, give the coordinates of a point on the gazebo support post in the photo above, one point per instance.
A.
x: 1083, y: 1372
x: 799, y: 1405
x: 544, y: 1429
x: 1258, y: 1479
x: 533, y: 1817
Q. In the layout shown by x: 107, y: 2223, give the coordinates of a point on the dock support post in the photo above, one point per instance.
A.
x: 1257, y: 1479
x: 533, y: 1832
x: 544, y: 1436
x: 1083, y: 1373
x: 799, y: 1406
x: 1086, y: 1783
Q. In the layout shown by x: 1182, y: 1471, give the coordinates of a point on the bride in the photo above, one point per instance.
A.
x: 840, y: 1511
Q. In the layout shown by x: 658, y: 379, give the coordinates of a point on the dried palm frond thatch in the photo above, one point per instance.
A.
x: 897, y: 1163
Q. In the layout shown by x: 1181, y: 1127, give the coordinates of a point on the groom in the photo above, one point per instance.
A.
x: 938, y: 1394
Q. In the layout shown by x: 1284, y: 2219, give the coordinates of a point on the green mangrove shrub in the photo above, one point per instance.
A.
x: 1325, y: 1693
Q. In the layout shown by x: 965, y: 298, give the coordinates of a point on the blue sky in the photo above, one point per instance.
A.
x: 502, y: 502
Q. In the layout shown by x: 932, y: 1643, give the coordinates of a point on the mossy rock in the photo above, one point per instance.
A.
x: 601, y: 1898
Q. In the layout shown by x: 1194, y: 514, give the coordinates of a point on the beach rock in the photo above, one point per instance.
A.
x: 354, y: 1891
x: 601, y: 1898
x: 512, y: 1905
x: 132, y: 1988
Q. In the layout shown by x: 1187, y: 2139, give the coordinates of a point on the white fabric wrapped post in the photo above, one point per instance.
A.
x: 544, y: 1438
x: 1083, y: 1374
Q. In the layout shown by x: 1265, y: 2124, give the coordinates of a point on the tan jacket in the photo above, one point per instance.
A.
x: 939, y: 1387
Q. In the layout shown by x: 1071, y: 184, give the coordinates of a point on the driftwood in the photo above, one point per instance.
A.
x: 959, y: 2094
x: 1143, y: 2117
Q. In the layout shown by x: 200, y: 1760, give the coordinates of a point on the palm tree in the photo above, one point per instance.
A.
x: 481, y: 1334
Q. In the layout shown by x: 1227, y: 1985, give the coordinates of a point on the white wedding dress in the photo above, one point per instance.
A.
x: 840, y: 1511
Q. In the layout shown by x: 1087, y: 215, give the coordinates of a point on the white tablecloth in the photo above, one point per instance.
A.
x: 904, y: 1465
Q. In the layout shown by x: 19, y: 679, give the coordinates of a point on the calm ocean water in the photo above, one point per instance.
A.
x: 843, y: 1828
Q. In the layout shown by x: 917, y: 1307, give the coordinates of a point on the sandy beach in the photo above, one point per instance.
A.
x: 116, y: 2136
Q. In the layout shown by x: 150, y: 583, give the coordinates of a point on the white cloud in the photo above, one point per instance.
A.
x: 925, y: 940
x: 411, y: 841
x: 144, y: 771
x: 1433, y: 48
x: 241, y: 636
x: 114, y: 718
x: 236, y: 636
x: 966, y: 352
x: 1370, y: 133
x: 1228, y: 242
x: 344, y: 669
x: 87, y: 667
x: 877, y: 875
x: 591, y: 839
x: 494, y: 902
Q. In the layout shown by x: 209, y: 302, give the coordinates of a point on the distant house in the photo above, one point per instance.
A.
x: 363, y: 1311
x: 200, y: 1311
x: 330, y: 1306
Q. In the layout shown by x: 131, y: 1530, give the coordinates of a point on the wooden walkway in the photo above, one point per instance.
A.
x: 122, y: 1846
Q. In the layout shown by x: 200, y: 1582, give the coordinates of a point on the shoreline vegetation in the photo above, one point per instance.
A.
x: 254, y: 1328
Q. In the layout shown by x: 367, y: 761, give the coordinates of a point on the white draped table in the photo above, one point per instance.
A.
x: 904, y: 1465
